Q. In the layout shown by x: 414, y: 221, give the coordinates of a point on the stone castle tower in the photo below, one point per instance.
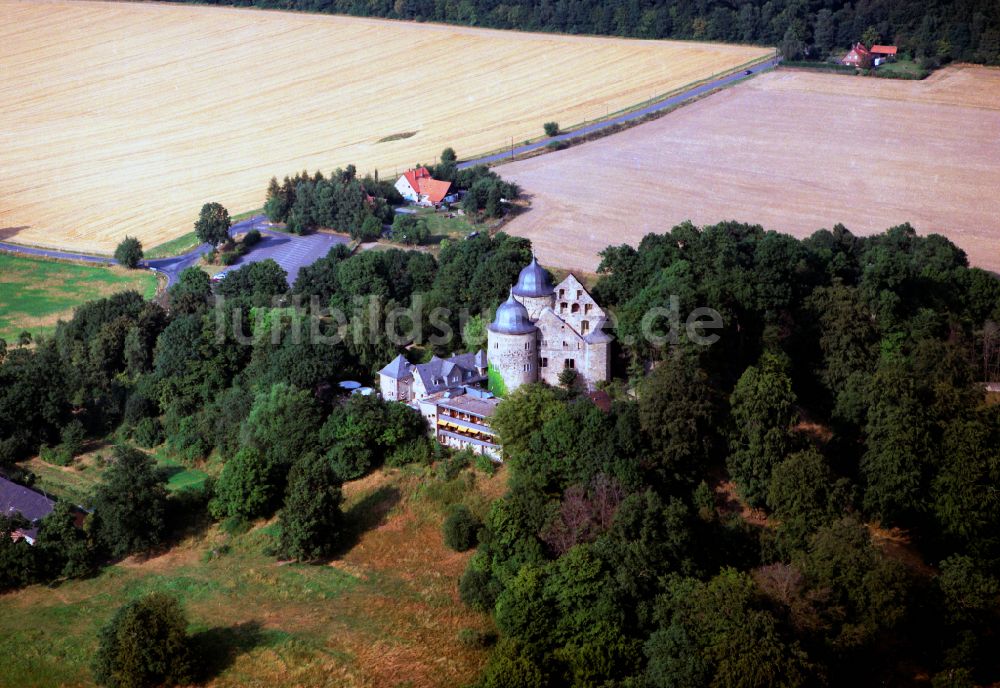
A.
x: 540, y: 330
x: 512, y: 346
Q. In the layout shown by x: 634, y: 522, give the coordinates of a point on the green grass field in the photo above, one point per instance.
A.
x: 35, y: 294
x: 384, y: 613
x: 902, y: 69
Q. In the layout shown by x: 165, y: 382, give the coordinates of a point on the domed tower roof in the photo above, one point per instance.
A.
x: 511, y: 318
x: 533, y: 281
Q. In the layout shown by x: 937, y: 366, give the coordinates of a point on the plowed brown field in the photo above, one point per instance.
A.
x: 794, y: 151
x: 125, y: 118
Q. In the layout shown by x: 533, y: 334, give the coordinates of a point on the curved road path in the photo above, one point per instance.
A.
x: 307, y: 249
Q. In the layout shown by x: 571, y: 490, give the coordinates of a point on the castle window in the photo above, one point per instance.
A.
x: 562, y: 307
x: 545, y: 363
x: 585, y: 327
x: 527, y: 346
x: 586, y: 308
x: 569, y: 363
x: 562, y: 293
x: 565, y: 344
x: 527, y: 367
x: 576, y: 308
x: 579, y: 293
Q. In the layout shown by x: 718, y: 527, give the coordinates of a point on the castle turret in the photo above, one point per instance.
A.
x: 534, y: 289
x: 512, y: 348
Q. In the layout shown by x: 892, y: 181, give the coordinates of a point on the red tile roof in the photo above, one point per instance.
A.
x: 434, y: 190
x: 883, y: 50
x: 424, y: 184
x: 414, y: 177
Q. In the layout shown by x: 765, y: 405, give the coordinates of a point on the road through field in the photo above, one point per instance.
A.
x: 290, y: 251
x: 794, y: 151
x: 124, y: 118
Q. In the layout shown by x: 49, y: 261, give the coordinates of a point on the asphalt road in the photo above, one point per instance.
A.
x: 291, y: 252
x: 627, y: 117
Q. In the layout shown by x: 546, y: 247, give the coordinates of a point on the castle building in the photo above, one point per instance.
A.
x: 538, y: 332
x: 541, y: 330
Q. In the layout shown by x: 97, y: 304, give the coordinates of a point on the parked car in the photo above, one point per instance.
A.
x: 472, y: 235
x: 748, y: 72
x: 219, y: 276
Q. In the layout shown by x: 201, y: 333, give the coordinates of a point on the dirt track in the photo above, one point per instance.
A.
x: 794, y: 151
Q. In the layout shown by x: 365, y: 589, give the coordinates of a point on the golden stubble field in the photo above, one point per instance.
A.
x: 125, y: 118
x: 794, y: 151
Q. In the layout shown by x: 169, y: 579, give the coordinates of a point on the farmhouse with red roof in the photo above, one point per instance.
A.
x: 859, y: 56
x: 418, y: 186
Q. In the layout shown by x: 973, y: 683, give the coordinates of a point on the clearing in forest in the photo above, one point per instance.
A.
x: 122, y: 118
x: 794, y: 151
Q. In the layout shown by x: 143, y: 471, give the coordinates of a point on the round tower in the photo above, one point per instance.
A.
x: 534, y: 289
x: 512, y: 348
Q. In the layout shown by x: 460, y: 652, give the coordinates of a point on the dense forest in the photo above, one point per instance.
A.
x: 723, y: 522
x: 933, y: 31
x: 841, y: 400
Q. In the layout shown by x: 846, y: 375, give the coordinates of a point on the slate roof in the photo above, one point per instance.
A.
x: 18, y: 499
x: 598, y: 335
x: 440, y: 374
x: 398, y: 369
x: 533, y: 281
x: 512, y: 318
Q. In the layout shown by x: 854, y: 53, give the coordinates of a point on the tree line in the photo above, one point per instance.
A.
x: 930, y: 30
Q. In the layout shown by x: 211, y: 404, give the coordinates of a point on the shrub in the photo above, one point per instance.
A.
x: 149, y: 433
x: 461, y: 529
x: 56, y: 456
x: 137, y: 407
x: 252, y: 238
x: 409, y: 229
x: 418, y: 451
x: 370, y: 229
x: 551, y: 128
x: 453, y: 465
x: 145, y: 644
x: 485, y: 464
x: 72, y: 437
x: 472, y: 638
x: 478, y: 589
x: 229, y: 258
x: 129, y: 252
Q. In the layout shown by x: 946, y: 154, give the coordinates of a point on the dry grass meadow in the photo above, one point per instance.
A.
x: 794, y: 151
x: 384, y: 613
x: 125, y: 118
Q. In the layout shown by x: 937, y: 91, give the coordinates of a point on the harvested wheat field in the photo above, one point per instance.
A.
x: 794, y: 151
x: 125, y: 118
